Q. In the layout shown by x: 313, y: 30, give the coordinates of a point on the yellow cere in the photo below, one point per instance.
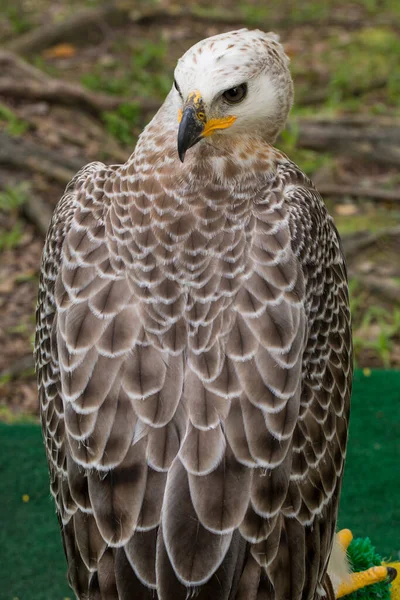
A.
x: 195, y: 97
x: 215, y: 124
x: 179, y: 115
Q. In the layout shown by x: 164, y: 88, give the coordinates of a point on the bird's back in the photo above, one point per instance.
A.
x: 194, y: 366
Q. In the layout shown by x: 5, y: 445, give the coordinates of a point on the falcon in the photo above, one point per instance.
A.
x: 193, y: 350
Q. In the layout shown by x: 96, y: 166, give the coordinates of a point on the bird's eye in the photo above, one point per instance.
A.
x: 176, y: 86
x: 236, y: 94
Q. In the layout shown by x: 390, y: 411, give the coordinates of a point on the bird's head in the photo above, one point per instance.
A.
x: 229, y: 84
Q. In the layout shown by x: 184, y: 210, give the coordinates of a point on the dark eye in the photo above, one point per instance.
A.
x: 176, y: 86
x: 236, y: 94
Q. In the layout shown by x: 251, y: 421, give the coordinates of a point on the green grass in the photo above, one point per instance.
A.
x: 373, y: 220
x: 360, y: 71
x: 13, y: 197
x: 261, y: 14
x: 388, y: 324
x: 308, y: 160
x: 375, y: 328
x: 146, y: 74
x: 369, y: 56
x: 18, y: 19
x: 11, y: 200
x: 121, y: 123
x: 12, y: 238
x: 11, y: 122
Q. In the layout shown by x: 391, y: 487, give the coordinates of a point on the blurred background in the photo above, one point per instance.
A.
x: 78, y: 81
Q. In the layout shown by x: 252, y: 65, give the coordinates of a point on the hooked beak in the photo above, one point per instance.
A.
x: 191, y: 125
x: 190, y: 130
x: 194, y: 125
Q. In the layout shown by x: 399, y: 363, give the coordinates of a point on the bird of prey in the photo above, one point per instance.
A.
x: 194, y: 350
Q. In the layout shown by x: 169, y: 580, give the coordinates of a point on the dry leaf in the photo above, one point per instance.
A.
x: 60, y: 51
x: 346, y: 210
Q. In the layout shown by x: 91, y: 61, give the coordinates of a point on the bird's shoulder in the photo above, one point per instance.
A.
x: 66, y: 206
x: 59, y: 227
x: 314, y: 237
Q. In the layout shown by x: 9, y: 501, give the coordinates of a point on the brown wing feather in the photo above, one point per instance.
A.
x: 194, y: 375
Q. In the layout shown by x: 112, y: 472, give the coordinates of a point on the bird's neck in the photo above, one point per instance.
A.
x: 230, y: 160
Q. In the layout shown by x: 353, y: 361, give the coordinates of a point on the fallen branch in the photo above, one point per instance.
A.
x: 375, y: 141
x: 387, y: 290
x: 34, y: 209
x: 21, y: 154
x: 10, y: 62
x: 355, y: 243
x: 359, y: 192
x: 322, y: 94
x: 69, y: 94
x: 40, y: 87
x: 81, y: 22
x: 37, y: 212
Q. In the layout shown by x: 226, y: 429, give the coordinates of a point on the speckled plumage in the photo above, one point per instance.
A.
x: 194, y: 365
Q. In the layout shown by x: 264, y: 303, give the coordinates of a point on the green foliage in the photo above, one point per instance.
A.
x: 19, y: 329
x: 311, y: 161
x: 147, y: 73
x: 366, y: 60
x: 100, y: 81
x: 13, y: 198
x: 308, y: 160
x: 372, y: 318
x: 148, y: 69
x: 18, y: 20
x: 311, y: 11
x: 11, y: 239
x: 289, y: 137
x: 256, y: 15
x: 149, y: 54
x: 120, y: 123
x: 373, y: 220
x: 362, y: 556
x: 356, y: 297
x: 26, y: 277
x: 13, y: 124
x: 45, y: 66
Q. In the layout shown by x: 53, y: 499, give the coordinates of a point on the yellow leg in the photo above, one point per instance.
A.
x: 356, y: 581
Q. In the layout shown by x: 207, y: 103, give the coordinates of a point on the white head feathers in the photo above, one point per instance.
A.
x: 219, y: 63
